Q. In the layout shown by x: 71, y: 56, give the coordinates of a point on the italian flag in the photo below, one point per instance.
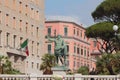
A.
x: 25, y: 45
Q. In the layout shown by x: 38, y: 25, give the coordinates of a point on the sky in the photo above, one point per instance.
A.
x: 80, y: 9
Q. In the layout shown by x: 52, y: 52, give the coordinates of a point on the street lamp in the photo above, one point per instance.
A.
x: 115, y: 28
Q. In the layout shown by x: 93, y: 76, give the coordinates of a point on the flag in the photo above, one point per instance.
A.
x: 27, y: 51
x: 25, y: 45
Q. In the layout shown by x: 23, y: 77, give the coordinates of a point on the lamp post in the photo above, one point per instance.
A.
x: 115, y: 28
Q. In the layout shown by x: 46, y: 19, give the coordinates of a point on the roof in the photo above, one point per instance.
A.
x: 58, y: 21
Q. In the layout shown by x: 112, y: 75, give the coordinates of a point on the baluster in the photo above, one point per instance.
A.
x: 13, y: 78
x: 21, y: 78
x: 38, y: 78
x: 3, y: 78
x: 48, y: 78
x: 17, y: 78
x: 6, y: 78
x: 10, y: 78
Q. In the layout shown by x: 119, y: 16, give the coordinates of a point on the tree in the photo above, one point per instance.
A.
x: 48, y: 63
x: 108, y: 64
x: 83, y: 70
x: 108, y: 10
x: 107, y: 14
x: 104, y: 35
x: 6, y: 67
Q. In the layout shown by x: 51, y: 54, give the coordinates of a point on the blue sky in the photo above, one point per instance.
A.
x: 81, y: 9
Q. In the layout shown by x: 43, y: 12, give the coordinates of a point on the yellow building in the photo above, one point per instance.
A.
x: 21, y: 20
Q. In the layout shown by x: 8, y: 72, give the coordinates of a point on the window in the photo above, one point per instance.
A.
x: 74, y: 64
x: 49, y: 31
x: 20, y: 25
x: 65, y: 31
x: 6, y: 19
x: 37, y: 30
x: 37, y: 65
x: 32, y: 46
x: 21, y: 38
x: 37, y: 48
x: 26, y: 28
x: 67, y: 48
x: 81, y: 51
x: 26, y: 10
x: 32, y: 64
x: 88, y: 52
x: 0, y: 17
x: 78, y: 64
x: 74, y: 31
x: 26, y: 64
x: 74, y: 48
x: 80, y: 33
x: 85, y: 51
x: 77, y: 32
x: 7, y: 39
x: 37, y: 15
x: 20, y: 7
x: 32, y: 29
x: 84, y: 35
x: 14, y: 40
x: 32, y: 13
x: 49, y: 48
x: 14, y: 22
x: 0, y: 37
x: 78, y: 52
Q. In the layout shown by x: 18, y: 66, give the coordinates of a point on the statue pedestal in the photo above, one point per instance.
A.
x: 59, y: 70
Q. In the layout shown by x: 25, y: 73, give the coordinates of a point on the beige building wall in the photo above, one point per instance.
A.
x: 21, y: 20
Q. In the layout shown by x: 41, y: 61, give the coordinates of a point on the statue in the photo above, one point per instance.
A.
x: 60, y: 49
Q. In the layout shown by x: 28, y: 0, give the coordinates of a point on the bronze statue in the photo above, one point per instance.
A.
x: 60, y: 49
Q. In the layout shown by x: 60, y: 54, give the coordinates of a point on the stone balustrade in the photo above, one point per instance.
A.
x: 65, y: 77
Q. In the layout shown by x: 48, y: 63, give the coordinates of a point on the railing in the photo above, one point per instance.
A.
x: 65, y: 77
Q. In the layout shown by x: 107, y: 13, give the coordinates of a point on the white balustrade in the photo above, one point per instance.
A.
x: 65, y: 77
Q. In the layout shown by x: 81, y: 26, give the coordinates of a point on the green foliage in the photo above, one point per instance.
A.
x: 108, y: 10
x: 108, y: 64
x: 102, y: 30
x: 7, y: 66
x: 57, y: 77
x: 105, y: 32
x: 84, y: 70
x: 48, y: 61
x: 69, y: 72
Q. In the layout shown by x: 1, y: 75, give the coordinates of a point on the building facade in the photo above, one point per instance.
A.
x: 21, y: 20
x: 78, y: 45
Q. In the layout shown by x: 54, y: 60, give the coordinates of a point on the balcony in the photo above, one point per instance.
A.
x: 15, y: 51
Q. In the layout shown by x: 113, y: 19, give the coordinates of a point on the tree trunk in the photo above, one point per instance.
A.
x: 110, y: 70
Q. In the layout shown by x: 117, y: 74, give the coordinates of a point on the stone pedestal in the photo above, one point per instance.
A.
x: 59, y: 70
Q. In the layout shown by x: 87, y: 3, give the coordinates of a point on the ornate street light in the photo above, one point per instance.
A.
x: 115, y: 28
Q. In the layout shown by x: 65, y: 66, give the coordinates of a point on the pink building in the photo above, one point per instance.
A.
x: 78, y: 45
